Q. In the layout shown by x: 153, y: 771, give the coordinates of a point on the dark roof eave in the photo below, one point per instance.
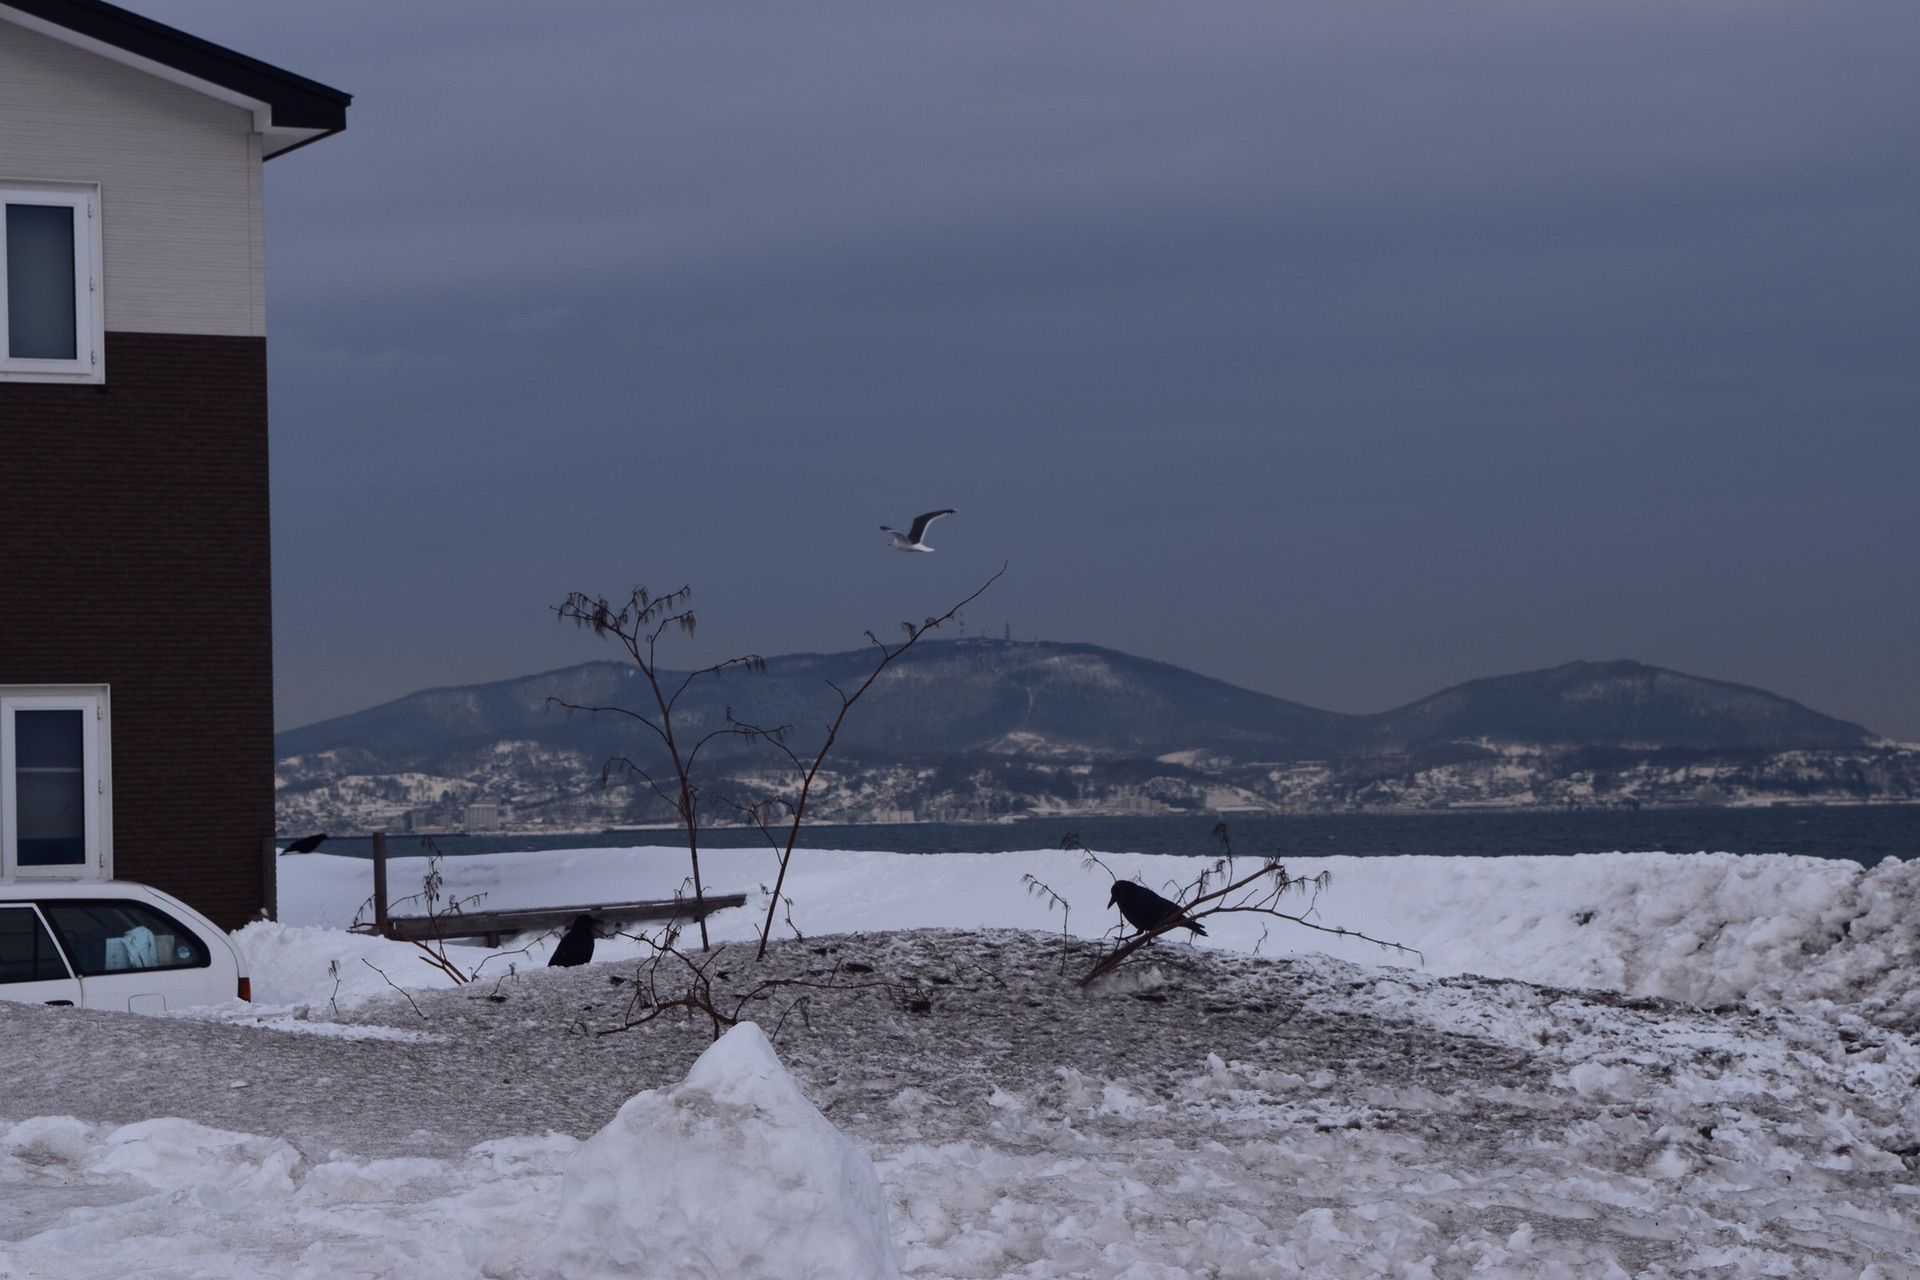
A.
x: 295, y: 101
x: 277, y: 152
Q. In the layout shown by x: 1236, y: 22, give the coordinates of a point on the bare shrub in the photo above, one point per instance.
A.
x: 669, y: 979
x: 439, y: 909
x: 780, y: 817
x: 638, y: 625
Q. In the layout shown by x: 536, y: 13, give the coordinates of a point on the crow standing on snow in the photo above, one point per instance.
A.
x: 1146, y: 910
x: 576, y: 945
x: 307, y: 844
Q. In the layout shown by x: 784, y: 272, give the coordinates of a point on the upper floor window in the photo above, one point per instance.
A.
x: 51, y: 320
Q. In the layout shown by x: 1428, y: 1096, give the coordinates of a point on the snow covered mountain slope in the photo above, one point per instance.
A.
x: 970, y: 729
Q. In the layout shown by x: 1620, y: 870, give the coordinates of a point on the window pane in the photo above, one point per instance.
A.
x: 50, y: 788
x: 117, y: 937
x: 27, y: 954
x: 41, y: 324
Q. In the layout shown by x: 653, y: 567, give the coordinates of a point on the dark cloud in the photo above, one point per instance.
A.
x: 1341, y: 351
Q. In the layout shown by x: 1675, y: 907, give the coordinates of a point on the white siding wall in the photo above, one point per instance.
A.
x: 179, y: 176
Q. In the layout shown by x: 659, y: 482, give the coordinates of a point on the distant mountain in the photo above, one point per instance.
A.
x: 984, y: 727
x: 1623, y: 704
x: 959, y: 697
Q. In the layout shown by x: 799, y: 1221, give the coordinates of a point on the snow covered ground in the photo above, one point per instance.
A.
x: 1611, y: 1065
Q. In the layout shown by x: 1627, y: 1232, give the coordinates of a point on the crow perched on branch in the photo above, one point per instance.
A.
x: 576, y: 945
x: 307, y: 844
x: 1146, y: 910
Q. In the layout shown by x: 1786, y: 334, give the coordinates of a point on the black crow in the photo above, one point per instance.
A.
x: 576, y: 945
x: 307, y: 844
x: 1146, y: 910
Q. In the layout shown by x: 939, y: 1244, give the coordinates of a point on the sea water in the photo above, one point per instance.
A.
x: 1864, y: 833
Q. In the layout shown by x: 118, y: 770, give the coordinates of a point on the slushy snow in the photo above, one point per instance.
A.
x: 1610, y: 1065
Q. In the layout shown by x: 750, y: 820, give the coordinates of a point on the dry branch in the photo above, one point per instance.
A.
x: 791, y: 813
x: 637, y: 626
x: 1221, y: 889
x: 688, y: 985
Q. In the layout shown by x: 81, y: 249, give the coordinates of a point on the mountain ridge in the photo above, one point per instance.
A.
x: 1054, y: 690
x: 979, y: 729
x: 985, y: 730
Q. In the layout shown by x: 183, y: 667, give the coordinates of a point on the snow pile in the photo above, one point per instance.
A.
x: 730, y: 1175
x: 310, y: 964
x: 172, y: 1198
x: 1705, y: 928
x: 1204, y: 1113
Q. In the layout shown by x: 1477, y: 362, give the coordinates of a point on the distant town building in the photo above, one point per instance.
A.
x: 485, y: 817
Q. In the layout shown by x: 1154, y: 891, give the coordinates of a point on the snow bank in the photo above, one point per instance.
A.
x: 309, y: 964
x: 1218, y: 1117
x: 1703, y: 927
x: 171, y: 1198
x: 731, y: 1174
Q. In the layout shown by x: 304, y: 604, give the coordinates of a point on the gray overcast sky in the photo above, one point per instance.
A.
x: 1341, y: 351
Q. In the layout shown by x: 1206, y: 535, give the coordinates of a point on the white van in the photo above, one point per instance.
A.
x: 112, y: 944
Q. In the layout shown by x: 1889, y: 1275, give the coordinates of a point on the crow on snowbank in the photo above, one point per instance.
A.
x: 576, y: 945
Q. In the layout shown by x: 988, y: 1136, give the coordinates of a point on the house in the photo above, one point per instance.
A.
x: 136, y: 659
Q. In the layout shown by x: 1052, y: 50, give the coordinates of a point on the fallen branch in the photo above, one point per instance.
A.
x: 697, y: 997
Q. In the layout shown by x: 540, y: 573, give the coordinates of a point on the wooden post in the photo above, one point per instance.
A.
x: 380, y: 883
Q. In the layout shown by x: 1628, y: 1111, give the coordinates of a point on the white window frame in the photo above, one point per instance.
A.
x: 89, y: 308
x: 97, y: 778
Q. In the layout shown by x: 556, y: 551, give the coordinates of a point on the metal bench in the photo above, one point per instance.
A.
x: 494, y: 925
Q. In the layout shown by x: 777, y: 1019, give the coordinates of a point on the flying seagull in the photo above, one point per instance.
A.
x: 910, y: 540
x: 576, y: 946
x: 307, y: 844
x: 1146, y: 910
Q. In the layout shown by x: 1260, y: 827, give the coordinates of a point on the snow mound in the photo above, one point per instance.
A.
x: 1701, y: 928
x: 294, y: 964
x: 731, y: 1174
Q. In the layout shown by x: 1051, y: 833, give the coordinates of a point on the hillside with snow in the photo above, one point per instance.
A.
x: 980, y: 729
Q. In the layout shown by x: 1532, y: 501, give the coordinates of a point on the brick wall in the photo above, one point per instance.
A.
x: 134, y: 553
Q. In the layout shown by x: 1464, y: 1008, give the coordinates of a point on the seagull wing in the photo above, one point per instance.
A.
x: 920, y: 523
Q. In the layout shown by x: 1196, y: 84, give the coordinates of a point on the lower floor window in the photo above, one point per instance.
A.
x: 54, y: 809
x: 50, y: 786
